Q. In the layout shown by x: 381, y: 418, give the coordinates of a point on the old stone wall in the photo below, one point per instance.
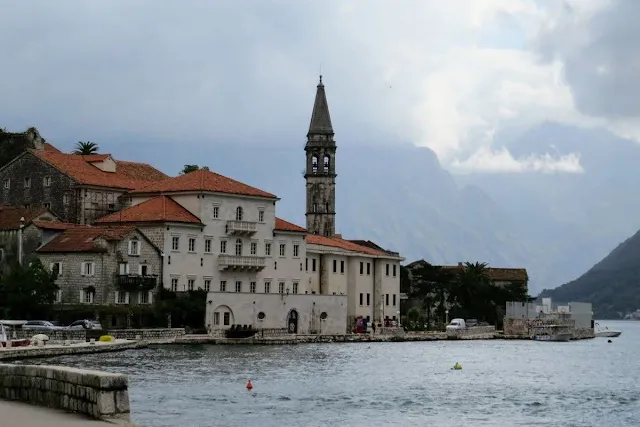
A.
x: 71, y: 335
x: 125, y: 334
x: 99, y: 395
x: 30, y: 166
x: 155, y: 234
x: 524, y: 327
x: 476, y: 332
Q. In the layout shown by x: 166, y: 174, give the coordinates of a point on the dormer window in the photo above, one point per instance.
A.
x: 239, y: 213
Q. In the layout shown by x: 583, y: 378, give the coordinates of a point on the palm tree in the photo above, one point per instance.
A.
x: 85, y: 148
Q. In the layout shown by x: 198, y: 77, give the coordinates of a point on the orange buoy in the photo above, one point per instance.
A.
x: 249, y: 385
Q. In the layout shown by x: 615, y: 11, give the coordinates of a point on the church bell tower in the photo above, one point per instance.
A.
x: 320, y: 172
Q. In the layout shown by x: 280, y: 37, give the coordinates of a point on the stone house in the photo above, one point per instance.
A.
x: 77, y: 188
x: 100, y: 266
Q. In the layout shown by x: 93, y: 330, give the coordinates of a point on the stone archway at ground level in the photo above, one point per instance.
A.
x: 292, y: 321
x: 222, y: 317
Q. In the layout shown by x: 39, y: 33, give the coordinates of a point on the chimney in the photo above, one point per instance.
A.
x: 338, y: 236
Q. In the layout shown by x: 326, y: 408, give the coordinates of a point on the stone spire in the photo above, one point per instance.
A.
x: 320, y: 117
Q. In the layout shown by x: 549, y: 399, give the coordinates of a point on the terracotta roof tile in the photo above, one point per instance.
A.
x: 54, y: 225
x: 85, y: 239
x: 282, y: 225
x: 156, y: 209
x: 128, y: 175
x: 10, y: 216
x: 496, y: 274
x: 202, y: 180
x: 335, y: 242
x: 50, y: 148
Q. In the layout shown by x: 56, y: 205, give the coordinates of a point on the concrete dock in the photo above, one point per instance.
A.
x: 19, y: 414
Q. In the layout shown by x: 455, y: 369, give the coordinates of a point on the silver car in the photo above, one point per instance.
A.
x: 41, y: 325
x: 85, y: 324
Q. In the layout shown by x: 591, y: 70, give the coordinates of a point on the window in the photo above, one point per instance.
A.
x: 143, y: 298
x: 387, y: 270
x: 275, y: 265
x: 215, y: 213
x: 313, y: 264
x: 306, y: 264
x: 295, y: 287
x: 239, y: 213
x: 174, y: 284
x: 6, y: 184
x: 192, y: 244
x: 281, y: 287
x: 368, y: 268
x: 267, y: 287
x: 58, y: 297
x: 387, y: 299
x: 191, y: 283
x: 394, y: 270
x: 361, y: 267
x: 87, y: 269
x: 143, y: 269
x: 314, y: 164
x: 341, y: 267
x: 267, y: 249
x: 134, y: 247
x: 87, y: 296
x: 394, y: 300
x: 223, y: 246
x: 216, y: 318
x: 207, y: 285
x: 261, y: 315
x: 223, y: 286
x: 254, y: 248
x: 335, y: 266
x: 315, y: 207
x: 238, y: 247
x: 238, y: 286
x: 296, y: 251
x: 260, y: 216
x: 175, y: 243
x: 368, y: 299
x: 56, y: 267
x: 207, y: 246
x: 300, y: 266
x: 65, y: 199
x: 123, y: 268
x: 47, y: 205
x: 46, y: 181
x: 283, y: 249
x: 252, y: 287
x: 27, y: 206
x: 361, y: 298
x: 27, y: 183
x: 226, y: 316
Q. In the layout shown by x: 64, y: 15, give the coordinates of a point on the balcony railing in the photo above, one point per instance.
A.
x: 241, y: 227
x: 234, y: 262
x: 137, y: 282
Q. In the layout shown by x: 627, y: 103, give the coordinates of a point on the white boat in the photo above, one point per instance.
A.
x: 605, y: 332
x: 554, y: 333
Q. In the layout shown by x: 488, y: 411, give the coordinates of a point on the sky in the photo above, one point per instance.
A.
x: 449, y: 75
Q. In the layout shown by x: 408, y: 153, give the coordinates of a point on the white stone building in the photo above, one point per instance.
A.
x: 223, y: 236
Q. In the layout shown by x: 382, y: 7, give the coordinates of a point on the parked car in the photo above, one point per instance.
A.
x: 41, y: 325
x: 85, y: 324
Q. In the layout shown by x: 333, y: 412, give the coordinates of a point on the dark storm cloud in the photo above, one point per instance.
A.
x: 601, y: 58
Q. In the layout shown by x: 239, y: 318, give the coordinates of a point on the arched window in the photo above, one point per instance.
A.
x: 239, y: 247
x: 239, y: 213
x: 326, y: 163
x: 314, y: 207
x: 314, y: 163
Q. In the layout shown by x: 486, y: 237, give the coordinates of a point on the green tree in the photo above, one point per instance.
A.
x: 192, y: 168
x: 431, y: 285
x: 85, y: 148
x: 27, y: 291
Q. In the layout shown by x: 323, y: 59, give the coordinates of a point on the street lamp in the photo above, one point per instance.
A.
x: 20, y: 232
x: 446, y: 319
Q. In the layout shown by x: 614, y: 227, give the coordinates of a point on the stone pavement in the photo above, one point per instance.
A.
x: 18, y: 414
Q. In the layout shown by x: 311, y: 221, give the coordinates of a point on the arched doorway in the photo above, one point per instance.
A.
x: 292, y: 322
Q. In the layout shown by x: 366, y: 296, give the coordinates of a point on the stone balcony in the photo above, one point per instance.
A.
x: 242, y: 263
x: 243, y: 228
x: 136, y: 282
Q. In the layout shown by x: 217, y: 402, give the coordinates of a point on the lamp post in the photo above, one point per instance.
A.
x: 446, y: 319
x: 20, y: 232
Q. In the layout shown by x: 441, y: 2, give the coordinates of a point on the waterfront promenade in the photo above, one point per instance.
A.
x: 18, y: 414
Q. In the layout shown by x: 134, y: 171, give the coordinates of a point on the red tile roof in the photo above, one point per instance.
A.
x: 128, y: 175
x: 10, y: 216
x: 282, y: 225
x: 202, y: 180
x: 54, y: 225
x: 496, y: 274
x: 83, y: 239
x: 51, y: 148
x: 156, y: 209
x: 335, y: 242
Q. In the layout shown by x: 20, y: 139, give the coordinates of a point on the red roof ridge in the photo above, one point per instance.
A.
x: 340, y: 243
x: 82, y: 238
x: 155, y: 209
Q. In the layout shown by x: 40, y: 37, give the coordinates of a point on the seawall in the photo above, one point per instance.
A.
x: 159, y: 334
x: 17, y: 353
x: 99, y: 395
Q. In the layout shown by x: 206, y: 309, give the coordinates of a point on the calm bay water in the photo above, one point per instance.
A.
x: 502, y: 383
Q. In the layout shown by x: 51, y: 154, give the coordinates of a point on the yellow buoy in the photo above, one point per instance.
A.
x: 457, y: 366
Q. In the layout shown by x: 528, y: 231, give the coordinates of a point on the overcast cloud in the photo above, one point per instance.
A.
x: 447, y: 75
